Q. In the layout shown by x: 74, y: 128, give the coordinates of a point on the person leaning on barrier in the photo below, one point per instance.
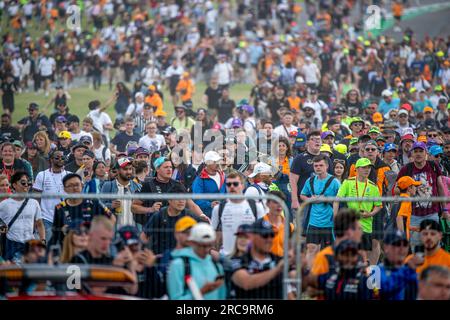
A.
x: 70, y: 210
x: 161, y: 183
x: 434, y: 283
x: 194, y: 267
x: 159, y: 228
x: 258, y: 274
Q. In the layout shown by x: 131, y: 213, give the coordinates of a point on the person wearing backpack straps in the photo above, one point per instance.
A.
x: 262, y: 179
x: 192, y: 273
x: 319, y: 232
x: 430, y: 174
x: 21, y: 216
x: 230, y: 214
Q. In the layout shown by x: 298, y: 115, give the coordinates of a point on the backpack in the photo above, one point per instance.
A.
x: 222, y: 205
x: 187, y: 270
x: 327, y: 184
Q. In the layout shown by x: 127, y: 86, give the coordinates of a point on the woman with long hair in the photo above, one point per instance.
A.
x: 38, y: 163
x: 206, y: 123
x: 74, y: 242
x: 282, y: 155
x: 123, y: 97
x: 42, y: 143
x: 4, y: 185
x: 352, y: 102
x: 340, y: 169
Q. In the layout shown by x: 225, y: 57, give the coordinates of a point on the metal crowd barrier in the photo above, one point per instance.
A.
x: 153, y: 196
x: 298, y: 228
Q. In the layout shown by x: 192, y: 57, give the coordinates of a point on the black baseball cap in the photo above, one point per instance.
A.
x: 243, y: 229
x: 262, y: 227
x: 89, y: 153
x: 73, y: 118
x: 394, y: 237
x: 430, y: 225
x: 129, y: 235
x: 33, y: 106
x: 79, y: 145
x: 346, y: 245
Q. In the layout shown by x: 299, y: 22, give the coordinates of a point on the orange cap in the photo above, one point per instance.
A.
x: 428, y: 109
x: 160, y: 113
x: 406, y: 181
x: 377, y: 117
x: 422, y: 139
x: 152, y: 87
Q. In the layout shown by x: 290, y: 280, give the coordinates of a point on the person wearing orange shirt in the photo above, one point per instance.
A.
x: 408, y: 188
x: 276, y: 219
x: 397, y: 12
x: 294, y: 101
x: 346, y: 227
x: 185, y: 89
x: 431, y: 236
x: 154, y: 99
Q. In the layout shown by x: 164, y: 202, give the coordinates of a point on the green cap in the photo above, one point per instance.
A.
x: 356, y: 119
x: 438, y: 88
x: 412, y: 90
x: 242, y: 102
x: 374, y: 130
x: 363, y: 162
x: 353, y: 141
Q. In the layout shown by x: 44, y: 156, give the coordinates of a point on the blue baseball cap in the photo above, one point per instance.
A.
x: 389, y: 147
x: 435, y: 150
x: 300, y: 141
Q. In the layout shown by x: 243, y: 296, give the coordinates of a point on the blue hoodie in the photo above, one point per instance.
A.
x: 204, y: 184
x: 202, y: 271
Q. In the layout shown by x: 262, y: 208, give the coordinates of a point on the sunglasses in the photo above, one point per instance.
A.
x: 371, y: 149
x: 432, y: 135
x: 234, y: 184
x: 81, y: 232
x: 267, y: 236
x: 59, y: 158
x: 25, y: 183
x: 403, y: 116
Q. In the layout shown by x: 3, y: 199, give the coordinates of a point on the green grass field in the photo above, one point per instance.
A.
x: 81, y: 97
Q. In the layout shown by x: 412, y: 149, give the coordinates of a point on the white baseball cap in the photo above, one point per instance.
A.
x: 202, y: 233
x: 260, y: 167
x: 212, y: 156
x: 386, y: 93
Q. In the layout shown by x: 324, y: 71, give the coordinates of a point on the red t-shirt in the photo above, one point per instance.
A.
x: 429, y: 188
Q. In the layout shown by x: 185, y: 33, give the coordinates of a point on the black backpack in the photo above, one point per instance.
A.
x: 222, y: 204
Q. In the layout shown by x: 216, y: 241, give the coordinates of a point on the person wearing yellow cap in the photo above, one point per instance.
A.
x: 326, y: 150
x: 65, y: 142
x: 185, y: 89
x: 377, y: 118
x: 408, y: 188
x: 361, y: 187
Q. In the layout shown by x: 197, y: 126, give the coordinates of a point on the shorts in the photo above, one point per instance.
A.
x: 322, y: 236
x: 366, y: 242
x: 398, y: 18
x: 50, y: 77
x: 378, y: 225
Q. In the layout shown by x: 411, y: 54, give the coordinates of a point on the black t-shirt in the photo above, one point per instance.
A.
x: 156, y: 186
x: 10, y: 132
x: 274, y: 105
x: 121, y: 140
x: 160, y: 228
x: 272, y: 290
x: 85, y: 257
x: 72, y: 166
x: 17, y: 166
x: 225, y: 109
x: 303, y: 166
x: 213, y: 97
x: 65, y: 213
x: 31, y: 127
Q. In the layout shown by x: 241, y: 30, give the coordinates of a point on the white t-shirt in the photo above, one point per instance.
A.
x: 152, y: 144
x: 46, y: 66
x: 22, y: 229
x: 49, y: 182
x: 77, y: 136
x: 99, y: 153
x: 223, y: 71
x: 135, y: 109
x: 253, y: 191
x: 216, y: 179
x: 281, y: 132
x: 234, y: 214
x: 100, y: 119
x: 310, y: 73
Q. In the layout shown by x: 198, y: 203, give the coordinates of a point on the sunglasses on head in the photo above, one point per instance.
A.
x: 339, y: 161
x: 234, y: 184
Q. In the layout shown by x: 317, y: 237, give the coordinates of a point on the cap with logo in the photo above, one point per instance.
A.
x: 85, y: 139
x: 129, y: 235
x: 435, y: 150
x: 202, y: 233
x: 390, y: 147
x: 64, y: 135
x: 406, y: 181
x: 300, y: 141
x: 259, y: 168
x: 123, y: 162
x: 262, y: 227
